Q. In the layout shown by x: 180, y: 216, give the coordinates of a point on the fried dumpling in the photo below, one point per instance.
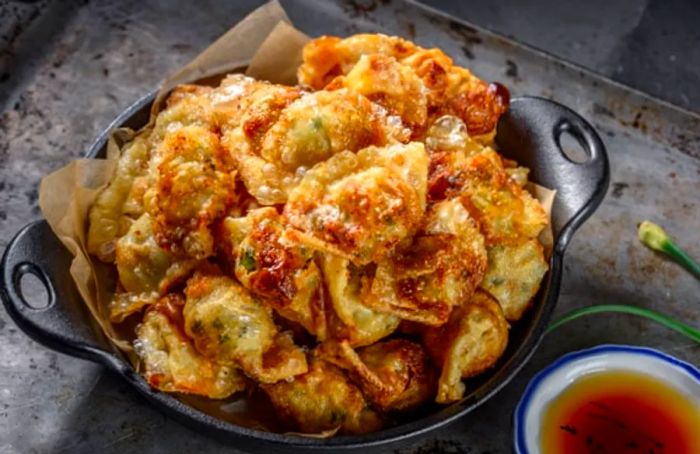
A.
x: 274, y: 151
x: 470, y: 343
x: 451, y: 89
x: 360, y: 206
x: 276, y: 269
x: 397, y: 88
x: 349, y: 318
x: 230, y: 326
x: 194, y: 186
x: 248, y: 120
x: 322, y: 399
x: 437, y: 270
x: 327, y: 57
x: 394, y: 375
x: 171, y: 363
x: 109, y: 216
x: 514, y: 275
x: 254, y: 105
x: 493, y: 192
x: 506, y: 211
x: 187, y: 105
x: 143, y: 265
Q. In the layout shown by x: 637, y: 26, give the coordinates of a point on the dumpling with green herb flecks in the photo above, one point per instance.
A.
x: 361, y: 205
x: 275, y: 268
x: 230, y: 326
x: 172, y: 364
x: 514, y: 275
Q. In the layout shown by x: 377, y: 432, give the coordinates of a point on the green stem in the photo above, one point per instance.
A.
x: 680, y: 256
x: 655, y: 237
x: 668, y: 322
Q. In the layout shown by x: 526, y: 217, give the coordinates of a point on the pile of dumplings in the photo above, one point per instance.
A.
x: 352, y: 247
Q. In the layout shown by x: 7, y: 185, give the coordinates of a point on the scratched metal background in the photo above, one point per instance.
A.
x: 96, y: 58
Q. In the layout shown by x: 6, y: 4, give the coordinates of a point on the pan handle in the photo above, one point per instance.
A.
x: 63, y: 324
x: 530, y: 132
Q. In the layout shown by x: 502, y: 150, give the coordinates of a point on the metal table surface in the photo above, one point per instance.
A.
x: 91, y: 60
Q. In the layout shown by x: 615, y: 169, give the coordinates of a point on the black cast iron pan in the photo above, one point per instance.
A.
x: 529, y: 132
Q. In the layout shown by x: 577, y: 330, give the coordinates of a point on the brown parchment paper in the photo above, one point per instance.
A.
x: 270, y: 48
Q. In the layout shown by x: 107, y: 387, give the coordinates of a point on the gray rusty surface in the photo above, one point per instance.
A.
x: 92, y: 60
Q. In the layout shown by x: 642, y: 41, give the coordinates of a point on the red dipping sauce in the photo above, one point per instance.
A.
x: 621, y: 412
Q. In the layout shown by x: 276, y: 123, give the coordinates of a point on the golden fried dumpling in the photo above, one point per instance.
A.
x: 456, y: 91
x: 274, y: 151
x: 470, y: 343
x: 230, y: 326
x: 254, y: 105
x: 143, y: 265
x: 509, y: 217
x: 108, y: 214
x: 194, y: 186
x: 437, y: 270
x: 322, y: 399
x: 214, y: 108
x: 318, y: 125
x: 394, y: 375
x: 514, y: 275
x: 248, y: 121
x: 329, y: 56
x: 396, y: 87
x: 505, y: 210
x: 187, y: 105
x: 273, y: 267
x: 450, y: 89
x: 349, y: 318
x: 171, y: 364
x: 360, y: 206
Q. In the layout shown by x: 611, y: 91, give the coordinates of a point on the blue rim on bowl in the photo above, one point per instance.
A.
x: 569, y: 362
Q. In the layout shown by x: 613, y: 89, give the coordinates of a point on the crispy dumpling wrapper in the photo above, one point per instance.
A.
x: 323, y: 399
x: 514, y: 274
x: 172, y: 364
x: 143, y: 265
x: 470, y: 343
x: 269, y: 264
x: 349, y: 317
x: 230, y: 326
x: 437, y: 270
x: 449, y: 89
x: 395, y: 375
x: 361, y: 205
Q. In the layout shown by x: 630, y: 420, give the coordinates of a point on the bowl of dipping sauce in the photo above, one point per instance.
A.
x: 612, y: 399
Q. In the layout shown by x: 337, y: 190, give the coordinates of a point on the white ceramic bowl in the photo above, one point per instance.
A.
x: 556, y: 377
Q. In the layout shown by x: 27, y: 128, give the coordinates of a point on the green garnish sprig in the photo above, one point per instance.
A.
x: 655, y: 238
x: 662, y: 319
